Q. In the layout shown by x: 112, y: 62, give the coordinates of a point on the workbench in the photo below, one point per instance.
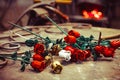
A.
x: 102, y: 69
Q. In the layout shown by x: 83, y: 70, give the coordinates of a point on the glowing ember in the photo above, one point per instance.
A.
x: 93, y: 14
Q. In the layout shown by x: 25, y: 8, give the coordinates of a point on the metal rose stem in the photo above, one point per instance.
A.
x: 26, y: 30
x: 56, y: 25
x: 99, y: 40
x: 60, y: 28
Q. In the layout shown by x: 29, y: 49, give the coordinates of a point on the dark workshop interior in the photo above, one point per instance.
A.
x: 107, y: 12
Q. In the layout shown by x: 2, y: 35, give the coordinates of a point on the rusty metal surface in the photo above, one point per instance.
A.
x: 103, y: 69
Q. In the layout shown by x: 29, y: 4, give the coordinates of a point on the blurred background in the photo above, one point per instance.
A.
x: 100, y: 13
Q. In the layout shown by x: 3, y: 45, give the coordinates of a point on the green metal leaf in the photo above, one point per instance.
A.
x: 14, y: 56
x: 91, y: 37
x: 95, y: 56
x: 29, y: 43
x: 23, y: 67
x: 84, y: 46
x: 28, y: 54
x: 105, y: 43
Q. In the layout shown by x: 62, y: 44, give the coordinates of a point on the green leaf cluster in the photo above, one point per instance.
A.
x: 31, y: 42
x: 84, y: 42
x: 25, y: 60
x: 14, y: 56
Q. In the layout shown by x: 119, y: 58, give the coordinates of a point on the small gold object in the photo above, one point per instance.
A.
x: 36, y: 1
x: 48, y: 60
x: 56, y: 67
x: 55, y: 49
x: 64, y: 1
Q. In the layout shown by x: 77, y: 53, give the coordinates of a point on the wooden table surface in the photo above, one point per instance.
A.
x: 103, y: 69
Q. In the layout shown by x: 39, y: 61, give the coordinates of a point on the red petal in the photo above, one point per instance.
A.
x: 74, y: 33
x: 39, y: 48
x: 70, y: 39
x: 69, y: 48
x: 37, y: 65
x: 38, y: 57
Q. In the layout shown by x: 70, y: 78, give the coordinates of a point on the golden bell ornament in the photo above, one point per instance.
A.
x: 56, y: 67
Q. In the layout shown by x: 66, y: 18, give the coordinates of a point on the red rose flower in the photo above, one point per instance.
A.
x: 38, y: 66
x: 38, y: 57
x: 73, y: 58
x: 69, y: 48
x: 108, y: 52
x: 87, y: 53
x: 74, y: 33
x: 80, y: 54
x: 70, y: 39
x: 99, y: 49
x: 115, y: 44
x: 39, y: 48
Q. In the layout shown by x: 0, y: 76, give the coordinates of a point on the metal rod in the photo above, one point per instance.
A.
x: 56, y: 25
x: 26, y: 30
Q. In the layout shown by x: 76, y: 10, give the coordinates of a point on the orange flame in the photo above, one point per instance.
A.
x: 93, y: 14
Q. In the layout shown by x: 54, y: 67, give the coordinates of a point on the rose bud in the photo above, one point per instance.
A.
x: 38, y: 65
x: 87, y: 53
x: 80, y: 55
x: 39, y: 48
x: 70, y: 39
x: 108, y: 52
x: 115, y: 44
x: 69, y: 48
x: 38, y: 57
x: 74, y: 33
x: 99, y: 48
x: 74, y: 58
